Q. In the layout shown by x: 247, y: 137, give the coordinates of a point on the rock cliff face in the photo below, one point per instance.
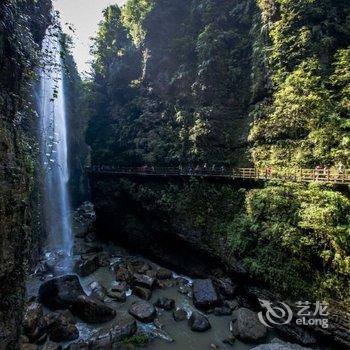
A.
x: 22, y: 27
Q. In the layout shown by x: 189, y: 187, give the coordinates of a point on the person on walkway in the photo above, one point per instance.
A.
x: 340, y: 169
x: 318, y: 171
x: 268, y: 172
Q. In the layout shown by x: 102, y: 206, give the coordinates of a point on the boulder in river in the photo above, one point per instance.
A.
x: 124, y: 328
x: 143, y: 311
x: 86, y: 267
x: 123, y: 274
x: 180, y: 315
x: 198, y: 322
x: 142, y: 293
x: 204, y: 294
x: 246, y: 326
x: 91, y: 310
x: 60, y: 293
x: 144, y: 281
x: 165, y: 304
x: 164, y: 274
x: 120, y: 297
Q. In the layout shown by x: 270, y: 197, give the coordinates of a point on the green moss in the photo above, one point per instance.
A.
x: 139, y: 340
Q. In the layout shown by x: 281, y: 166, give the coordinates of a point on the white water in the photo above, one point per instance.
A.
x: 54, y: 153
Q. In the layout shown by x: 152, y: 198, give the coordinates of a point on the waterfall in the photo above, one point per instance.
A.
x: 54, y: 153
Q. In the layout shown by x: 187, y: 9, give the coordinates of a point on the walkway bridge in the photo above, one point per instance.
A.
x: 298, y: 175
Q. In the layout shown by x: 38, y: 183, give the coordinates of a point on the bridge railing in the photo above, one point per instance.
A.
x: 298, y: 175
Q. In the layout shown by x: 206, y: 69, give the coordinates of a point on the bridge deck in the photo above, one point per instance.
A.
x: 300, y: 175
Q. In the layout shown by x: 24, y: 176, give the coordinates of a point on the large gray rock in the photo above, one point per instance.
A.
x: 198, y: 322
x: 143, y: 311
x: 246, y: 326
x: 60, y: 293
x: 91, y: 310
x: 204, y: 294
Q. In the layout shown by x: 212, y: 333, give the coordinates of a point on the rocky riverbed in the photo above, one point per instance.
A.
x: 117, y: 300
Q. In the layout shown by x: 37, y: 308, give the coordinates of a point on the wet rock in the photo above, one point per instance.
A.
x: 32, y: 315
x: 165, y: 304
x: 23, y: 339
x: 230, y: 341
x: 198, y: 322
x: 204, y: 294
x: 162, y: 334
x: 232, y: 304
x: 60, y: 293
x: 86, y: 267
x: 142, y: 293
x: 144, y: 281
x: 296, y: 334
x: 143, y: 268
x: 51, y: 346
x: 124, y: 328
x: 80, y: 345
x: 290, y: 346
x: 246, y: 326
x: 226, y: 287
x: 185, y: 289
x: 63, y: 328
x: 162, y: 284
x: 120, y: 297
x: 28, y: 346
x: 180, y: 315
x: 91, y: 310
x: 164, y: 274
x: 120, y: 287
x: 98, y: 291
x: 123, y: 274
x: 143, y: 311
x: 222, y: 311
x: 277, y: 344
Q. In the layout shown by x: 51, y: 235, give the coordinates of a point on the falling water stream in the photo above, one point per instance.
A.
x: 54, y: 153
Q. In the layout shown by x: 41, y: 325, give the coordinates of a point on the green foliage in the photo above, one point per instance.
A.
x: 140, y: 340
x: 306, y: 121
x: 297, y: 239
x: 133, y: 15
